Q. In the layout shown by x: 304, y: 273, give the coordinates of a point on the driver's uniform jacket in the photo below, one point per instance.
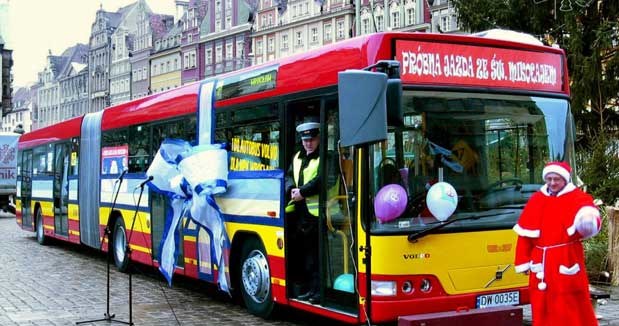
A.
x: 550, y: 248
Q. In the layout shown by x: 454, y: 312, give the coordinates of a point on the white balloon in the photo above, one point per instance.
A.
x: 442, y: 200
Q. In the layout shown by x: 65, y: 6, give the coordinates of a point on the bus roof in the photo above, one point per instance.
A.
x: 313, y: 69
x: 59, y: 131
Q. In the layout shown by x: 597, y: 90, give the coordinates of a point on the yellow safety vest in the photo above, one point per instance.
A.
x: 309, y: 173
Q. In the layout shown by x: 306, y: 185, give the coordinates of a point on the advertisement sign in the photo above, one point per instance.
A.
x: 8, y: 159
x: 469, y: 65
x: 114, y: 159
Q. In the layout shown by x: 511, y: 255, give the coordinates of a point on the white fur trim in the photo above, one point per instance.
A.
x: 526, y: 233
x: 536, y: 268
x: 595, y: 223
x: 569, y: 270
x: 553, y: 168
x: 571, y: 230
x: 568, y: 188
x: 522, y: 267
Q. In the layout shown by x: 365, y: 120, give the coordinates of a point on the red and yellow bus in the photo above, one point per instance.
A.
x: 480, y: 114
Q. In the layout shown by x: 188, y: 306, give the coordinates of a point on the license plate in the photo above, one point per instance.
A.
x: 498, y: 299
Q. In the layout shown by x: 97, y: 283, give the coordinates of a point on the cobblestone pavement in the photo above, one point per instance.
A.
x: 62, y: 284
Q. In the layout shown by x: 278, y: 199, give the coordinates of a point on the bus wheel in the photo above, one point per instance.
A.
x: 256, y: 279
x: 119, y: 246
x: 41, y: 239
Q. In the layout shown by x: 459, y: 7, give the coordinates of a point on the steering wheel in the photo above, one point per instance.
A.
x: 498, y: 185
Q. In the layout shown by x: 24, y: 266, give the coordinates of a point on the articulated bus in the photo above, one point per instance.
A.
x: 480, y: 114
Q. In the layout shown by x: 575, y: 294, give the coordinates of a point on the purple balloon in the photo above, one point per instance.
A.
x: 390, y: 202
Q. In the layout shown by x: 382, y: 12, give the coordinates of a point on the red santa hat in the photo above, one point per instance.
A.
x: 561, y: 168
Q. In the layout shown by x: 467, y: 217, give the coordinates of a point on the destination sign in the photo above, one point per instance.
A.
x: 247, y: 83
x: 469, y: 65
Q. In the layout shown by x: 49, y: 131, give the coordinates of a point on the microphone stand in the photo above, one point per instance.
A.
x: 106, y: 233
x: 128, y: 248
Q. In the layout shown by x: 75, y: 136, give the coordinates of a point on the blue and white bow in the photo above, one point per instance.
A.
x: 190, y: 177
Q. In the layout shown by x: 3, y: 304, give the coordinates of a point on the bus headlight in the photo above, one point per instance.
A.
x: 383, y: 288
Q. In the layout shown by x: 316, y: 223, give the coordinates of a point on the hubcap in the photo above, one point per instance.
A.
x: 119, y: 244
x: 256, y: 276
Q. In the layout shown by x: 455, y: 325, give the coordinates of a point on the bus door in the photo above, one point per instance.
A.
x: 336, y: 261
x: 61, y: 188
x: 337, y: 232
x: 26, y: 188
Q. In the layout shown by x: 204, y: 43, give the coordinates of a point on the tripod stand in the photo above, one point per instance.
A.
x: 106, y: 233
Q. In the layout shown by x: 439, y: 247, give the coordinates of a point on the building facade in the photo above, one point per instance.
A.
x: 6, y: 77
x: 149, y: 27
x: 99, y: 58
x: 225, y: 37
x: 48, y: 94
x: 20, y: 114
x: 300, y: 25
x: 165, y: 61
x: 123, y: 42
x: 191, y: 52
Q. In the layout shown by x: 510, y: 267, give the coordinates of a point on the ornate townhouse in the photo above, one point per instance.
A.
x: 149, y: 27
x: 225, y: 37
x: 73, y: 83
x: 48, y: 94
x: 195, y: 10
x: 19, y: 116
x: 165, y: 61
x: 123, y: 43
x: 99, y: 57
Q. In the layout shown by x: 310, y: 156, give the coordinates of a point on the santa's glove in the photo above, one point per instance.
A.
x: 588, y: 222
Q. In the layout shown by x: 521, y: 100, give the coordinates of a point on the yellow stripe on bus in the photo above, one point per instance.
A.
x: 191, y: 261
x: 268, y: 233
x: 142, y: 220
x: 278, y: 281
x: 140, y: 249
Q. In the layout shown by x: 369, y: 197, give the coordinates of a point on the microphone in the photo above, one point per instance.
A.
x: 121, y: 176
x: 141, y: 185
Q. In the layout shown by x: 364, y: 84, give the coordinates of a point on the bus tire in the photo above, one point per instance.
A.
x: 119, y: 246
x: 255, y: 279
x: 40, y: 230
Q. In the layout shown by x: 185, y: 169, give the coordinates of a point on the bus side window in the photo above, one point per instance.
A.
x: 252, y: 135
x: 139, y: 148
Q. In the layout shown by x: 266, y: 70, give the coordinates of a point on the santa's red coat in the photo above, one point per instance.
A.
x: 549, y: 248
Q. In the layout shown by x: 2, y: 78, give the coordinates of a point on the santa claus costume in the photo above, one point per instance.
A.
x: 550, y: 231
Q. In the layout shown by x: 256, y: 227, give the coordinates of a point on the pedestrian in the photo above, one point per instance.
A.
x: 303, y: 185
x: 549, y: 249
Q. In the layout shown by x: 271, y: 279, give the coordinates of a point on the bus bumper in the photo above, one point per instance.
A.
x: 504, y: 316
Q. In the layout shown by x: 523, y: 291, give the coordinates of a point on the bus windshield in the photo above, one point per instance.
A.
x: 491, y: 148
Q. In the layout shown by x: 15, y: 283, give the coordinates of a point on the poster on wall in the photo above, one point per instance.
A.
x: 114, y: 159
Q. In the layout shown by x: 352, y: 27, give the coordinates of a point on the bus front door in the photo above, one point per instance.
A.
x: 26, y: 189
x: 61, y: 189
x: 336, y: 262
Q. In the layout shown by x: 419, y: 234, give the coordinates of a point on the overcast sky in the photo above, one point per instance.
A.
x: 36, y: 26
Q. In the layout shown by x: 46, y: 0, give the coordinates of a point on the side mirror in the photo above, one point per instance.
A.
x: 395, y: 117
x: 363, y: 102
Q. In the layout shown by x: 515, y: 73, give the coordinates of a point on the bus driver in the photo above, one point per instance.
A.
x: 303, y: 185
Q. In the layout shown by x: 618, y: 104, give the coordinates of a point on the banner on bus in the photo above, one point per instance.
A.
x: 469, y: 65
